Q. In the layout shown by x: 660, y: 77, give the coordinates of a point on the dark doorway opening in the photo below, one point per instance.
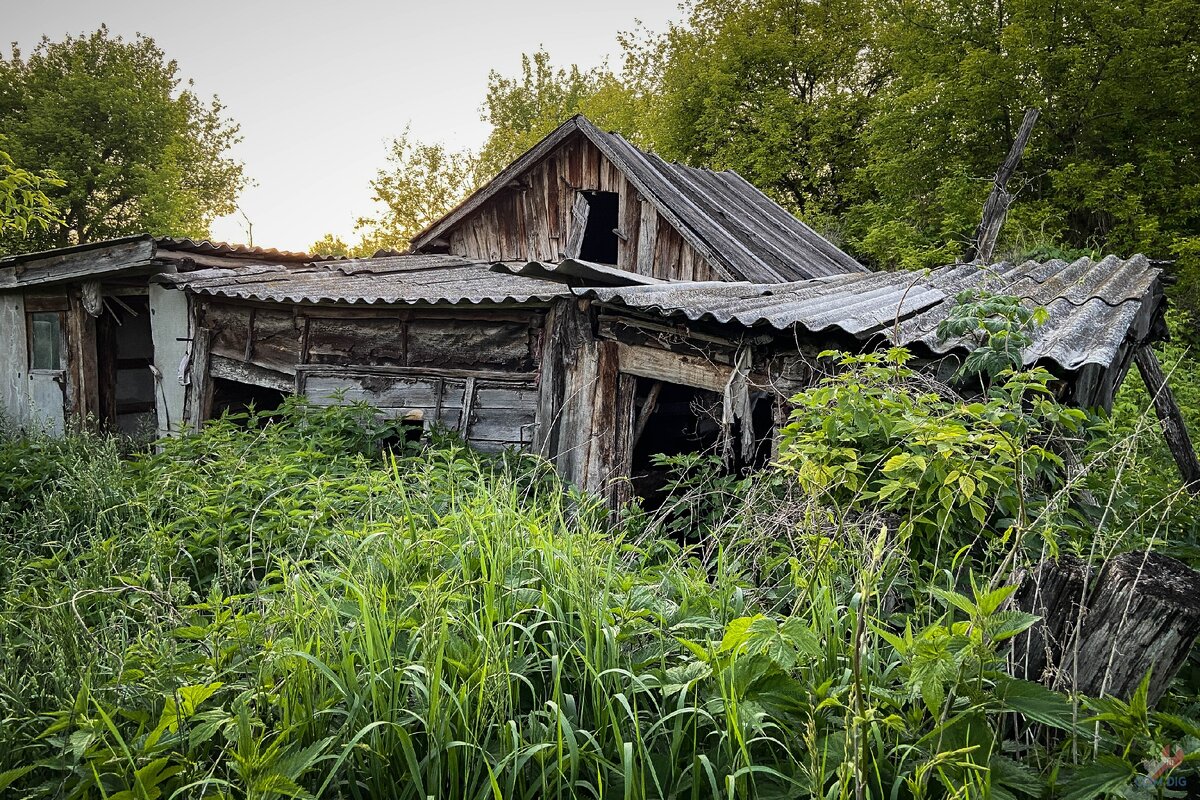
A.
x: 669, y: 420
x: 600, y: 235
x: 124, y: 355
x: 232, y: 397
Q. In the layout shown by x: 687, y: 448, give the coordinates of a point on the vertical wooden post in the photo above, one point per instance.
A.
x: 199, y: 395
x: 1170, y: 417
x: 996, y: 207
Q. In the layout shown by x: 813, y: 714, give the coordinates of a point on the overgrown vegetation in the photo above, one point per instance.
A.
x: 286, y: 608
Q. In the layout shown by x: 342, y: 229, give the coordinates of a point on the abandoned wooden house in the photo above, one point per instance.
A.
x: 592, y: 303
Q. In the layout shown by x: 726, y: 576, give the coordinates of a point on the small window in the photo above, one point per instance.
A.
x: 600, y: 236
x: 45, y: 340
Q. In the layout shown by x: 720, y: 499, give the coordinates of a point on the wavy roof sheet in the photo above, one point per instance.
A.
x: 1094, y: 306
x: 394, y: 280
x: 744, y: 233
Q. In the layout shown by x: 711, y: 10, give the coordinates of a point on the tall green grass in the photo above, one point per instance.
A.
x: 286, y: 608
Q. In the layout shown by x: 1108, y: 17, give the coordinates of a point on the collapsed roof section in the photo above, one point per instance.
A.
x: 1094, y: 306
x: 1099, y: 311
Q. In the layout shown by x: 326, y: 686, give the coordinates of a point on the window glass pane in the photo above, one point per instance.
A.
x: 46, y: 341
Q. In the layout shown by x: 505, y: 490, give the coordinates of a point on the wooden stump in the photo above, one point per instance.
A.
x: 1140, y: 612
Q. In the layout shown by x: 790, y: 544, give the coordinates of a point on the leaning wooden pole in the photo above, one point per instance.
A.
x: 1170, y: 417
x: 996, y: 207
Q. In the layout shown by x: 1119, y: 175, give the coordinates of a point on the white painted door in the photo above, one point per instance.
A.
x: 47, y: 396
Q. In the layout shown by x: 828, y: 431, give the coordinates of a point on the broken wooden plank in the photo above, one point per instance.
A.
x: 579, y: 218
x: 648, y: 406
x: 996, y: 208
x: 231, y: 369
x: 661, y: 365
x: 1170, y: 416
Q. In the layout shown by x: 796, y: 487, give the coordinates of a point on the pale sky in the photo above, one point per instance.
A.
x: 319, y: 88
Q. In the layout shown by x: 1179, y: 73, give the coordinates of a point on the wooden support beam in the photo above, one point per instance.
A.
x: 199, y: 392
x: 662, y: 365
x: 1170, y: 417
x: 996, y: 207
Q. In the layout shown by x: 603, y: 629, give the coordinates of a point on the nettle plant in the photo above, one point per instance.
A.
x: 877, y: 436
x: 999, y: 327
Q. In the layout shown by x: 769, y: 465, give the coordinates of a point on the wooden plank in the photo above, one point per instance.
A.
x: 14, y: 360
x: 573, y: 417
x: 244, y: 372
x: 620, y: 488
x: 661, y: 365
x: 82, y: 364
x: 65, y: 267
x: 431, y: 372
x: 579, y: 217
x: 199, y: 395
x: 46, y: 300
x: 387, y: 391
x: 647, y: 239
x: 1170, y: 417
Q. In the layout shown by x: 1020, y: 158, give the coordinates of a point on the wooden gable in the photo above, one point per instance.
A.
x: 541, y: 215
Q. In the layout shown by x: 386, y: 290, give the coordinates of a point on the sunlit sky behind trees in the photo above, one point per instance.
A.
x: 320, y: 88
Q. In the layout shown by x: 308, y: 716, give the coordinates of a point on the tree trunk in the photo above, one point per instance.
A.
x: 1140, y: 613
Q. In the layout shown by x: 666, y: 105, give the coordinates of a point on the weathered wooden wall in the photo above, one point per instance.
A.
x: 532, y: 220
x: 14, y: 360
x: 473, y: 371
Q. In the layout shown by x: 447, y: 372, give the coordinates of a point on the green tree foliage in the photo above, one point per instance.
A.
x: 418, y: 185
x: 1111, y: 165
x: 137, y: 148
x: 23, y: 201
x: 883, y: 123
x: 777, y: 90
x: 523, y: 109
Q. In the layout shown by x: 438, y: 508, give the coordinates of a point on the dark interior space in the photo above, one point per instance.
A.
x: 599, y: 237
x: 672, y: 420
x: 124, y: 354
x: 233, y: 397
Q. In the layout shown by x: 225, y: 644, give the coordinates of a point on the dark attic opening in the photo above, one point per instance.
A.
x: 234, y: 397
x: 600, y: 235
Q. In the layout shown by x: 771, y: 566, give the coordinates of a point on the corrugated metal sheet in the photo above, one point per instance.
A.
x: 723, y: 217
x: 1093, y: 305
x: 405, y: 279
x: 206, y: 247
x: 748, y: 232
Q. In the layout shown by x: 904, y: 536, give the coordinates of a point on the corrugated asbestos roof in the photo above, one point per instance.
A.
x: 206, y: 247
x: 411, y: 279
x: 739, y: 229
x: 1092, y: 304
